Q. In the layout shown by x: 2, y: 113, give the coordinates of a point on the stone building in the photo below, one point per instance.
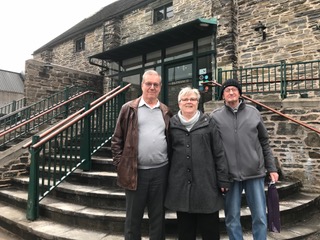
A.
x: 164, y: 34
x: 183, y: 40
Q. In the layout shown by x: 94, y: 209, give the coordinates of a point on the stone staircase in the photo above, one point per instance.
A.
x: 90, y: 206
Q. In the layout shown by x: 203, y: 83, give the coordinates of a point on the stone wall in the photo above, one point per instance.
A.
x: 139, y: 23
x: 224, y: 12
x: 296, y: 148
x: 41, y: 82
x: 65, y: 55
x: 292, y: 31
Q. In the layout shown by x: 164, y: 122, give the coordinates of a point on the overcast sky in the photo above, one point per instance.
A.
x: 27, y: 25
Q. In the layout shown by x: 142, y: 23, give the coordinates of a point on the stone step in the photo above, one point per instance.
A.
x: 14, y: 220
x: 106, y: 195
x: 102, y: 163
x: 293, y: 208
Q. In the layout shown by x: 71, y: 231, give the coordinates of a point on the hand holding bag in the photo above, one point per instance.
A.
x: 274, y: 223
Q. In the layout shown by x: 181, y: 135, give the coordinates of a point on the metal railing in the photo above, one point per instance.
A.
x: 283, y: 78
x: 13, y: 106
x: 213, y: 84
x: 22, y: 122
x: 69, y: 146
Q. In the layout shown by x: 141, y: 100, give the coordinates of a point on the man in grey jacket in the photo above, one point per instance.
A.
x: 249, y: 156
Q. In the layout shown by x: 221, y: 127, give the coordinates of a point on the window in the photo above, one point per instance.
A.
x: 179, y: 51
x: 163, y: 12
x: 80, y: 45
x: 132, y: 63
x: 153, y: 58
x: 205, y: 44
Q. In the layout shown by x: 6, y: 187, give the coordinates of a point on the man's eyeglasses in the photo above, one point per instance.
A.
x: 231, y: 89
x: 149, y: 84
x: 188, y: 99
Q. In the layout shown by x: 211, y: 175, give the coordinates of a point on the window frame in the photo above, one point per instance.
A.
x: 80, y: 44
x: 166, y: 10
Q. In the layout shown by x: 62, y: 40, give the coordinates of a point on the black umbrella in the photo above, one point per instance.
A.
x: 273, y: 208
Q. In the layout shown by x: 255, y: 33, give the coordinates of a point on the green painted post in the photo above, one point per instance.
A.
x: 33, y: 189
x: 66, y: 97
x: 283, y: 90
x: 85, y: 146
x: 14, y: 106
x: 219, y: 80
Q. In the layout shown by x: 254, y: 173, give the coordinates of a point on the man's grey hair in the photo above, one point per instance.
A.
x: 150, y: 72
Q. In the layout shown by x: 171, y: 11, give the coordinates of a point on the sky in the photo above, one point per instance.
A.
x: 27, y: 25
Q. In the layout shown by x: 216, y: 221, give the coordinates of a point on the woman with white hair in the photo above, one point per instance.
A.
x: 198, y: 170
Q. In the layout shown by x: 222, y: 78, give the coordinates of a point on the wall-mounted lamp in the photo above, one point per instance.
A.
x: 47, y: 66
x: 204, y: 25
x: 260, y: 28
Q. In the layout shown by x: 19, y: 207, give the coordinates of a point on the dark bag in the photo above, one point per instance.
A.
x: 274, y: 223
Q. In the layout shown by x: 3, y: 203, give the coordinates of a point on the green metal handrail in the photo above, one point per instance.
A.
x: 22, y: 122
x: 283, y: 78
x: 214, y: 83
x: 70, y: 147
x: 13, y: 106
x: 70, y: 117
x: 24, y: 112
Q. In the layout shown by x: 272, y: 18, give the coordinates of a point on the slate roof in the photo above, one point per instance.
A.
x: 11, y: 82
x: 112, y: 10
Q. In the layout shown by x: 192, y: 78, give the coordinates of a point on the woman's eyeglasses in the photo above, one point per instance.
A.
x: 188, y: 99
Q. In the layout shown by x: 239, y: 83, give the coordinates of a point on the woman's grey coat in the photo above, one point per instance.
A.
x: 198, y: 168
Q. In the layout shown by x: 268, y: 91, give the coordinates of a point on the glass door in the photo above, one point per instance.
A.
x: 177, y: 76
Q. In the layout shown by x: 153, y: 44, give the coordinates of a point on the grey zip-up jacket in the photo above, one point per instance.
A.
x: 245, y: 140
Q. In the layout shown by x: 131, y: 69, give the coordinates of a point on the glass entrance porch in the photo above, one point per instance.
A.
x: 184, y: 56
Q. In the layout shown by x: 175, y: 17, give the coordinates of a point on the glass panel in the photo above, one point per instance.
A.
x: 135, y: 90
x: 178, y: 51
x: 113, y: 68
x: 132, y: 63
x: 178, y: 77
x: 153, y: 58
x: 205, y: 74
x: 158, y: 15
x: 80, y: 45
x: 204, y: 70
x: 205, y: 44
x: 169, y: 11
x: 163, y: 12
x: 180, y: 72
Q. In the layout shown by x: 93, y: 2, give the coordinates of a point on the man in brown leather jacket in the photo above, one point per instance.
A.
x: 139, y: 148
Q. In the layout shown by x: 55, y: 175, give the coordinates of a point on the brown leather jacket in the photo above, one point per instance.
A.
x: 124, y: 143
